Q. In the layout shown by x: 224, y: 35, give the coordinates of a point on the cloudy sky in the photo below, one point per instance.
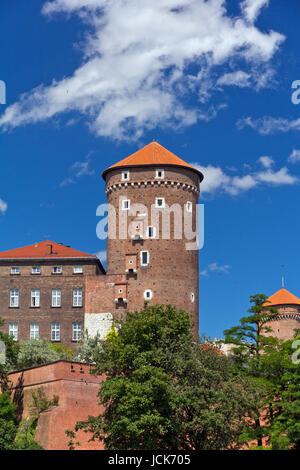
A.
x: 88, y: 82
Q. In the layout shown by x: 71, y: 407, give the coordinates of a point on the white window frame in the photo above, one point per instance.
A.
x: 77, y: 297
x: 55, y: 331
x: 153, y: 230
x: 57, y: 270
x: 13, y: 330
x: 34, y: 330
x: 159, y: 170
x: 14, y: 270
x: 146, y: 292
x: 192, y: 297
x: 35, y: 298
x: 148, y: 258
x: 78, y: 270
x: 76, y: 331
x: 189, y: 206
x: 123, y: 205
x: 14, y: 294
x: 56, y: 298
x: 125, y: 172
x: 36, y: 270
x: 163, y: 203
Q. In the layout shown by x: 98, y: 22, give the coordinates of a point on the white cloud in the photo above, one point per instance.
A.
x: 269, y: 125
x: 3, y: 206
x: 294, y: 157
x: 252, y: 8
x: 266, y: 161
x: 215, y: 268
x: 79, y: 169
x: 216, y: 180
x: 136, y: 67
x: 238, y: 78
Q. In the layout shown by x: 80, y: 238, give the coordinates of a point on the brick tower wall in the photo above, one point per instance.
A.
x: 289, y: 319
x: 172, y: 274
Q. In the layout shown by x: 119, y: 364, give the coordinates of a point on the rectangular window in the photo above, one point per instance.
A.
x: 55, y: 331
x: 14, y: 270
x: 159, y: 174
x: 125, y: 204
x: 78, y: 270
x: 35, y: 298
x: 76, y: 331
x: 125, y: 175
x: 56, y: 270
x: 151, y: 232
x: 36, y: 270
x: 13, y: 330
x: 14, y: 298
x: 144, y: 258
x: 34, y: 330
x: 160, y: 202
x: 77, y: 298
x: 56, y: 298
x: 189, y: 206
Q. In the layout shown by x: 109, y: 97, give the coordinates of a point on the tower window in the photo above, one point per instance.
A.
x: 192, y: 297
x: 189, y: 206
x: 148, y: 294
x: 125, y: 204
x: 145, y: 258
x: 159, y: 174
x: 160, y: 202
x: 125, y: 175
x: 151, y: 231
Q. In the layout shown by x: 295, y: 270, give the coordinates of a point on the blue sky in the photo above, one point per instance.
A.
x: 90, y: 82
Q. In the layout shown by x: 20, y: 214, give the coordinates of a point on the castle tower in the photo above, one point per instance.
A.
x: 288, y: 306
x: 148, y: 243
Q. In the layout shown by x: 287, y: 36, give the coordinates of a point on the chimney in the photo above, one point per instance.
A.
x: 49, y: 249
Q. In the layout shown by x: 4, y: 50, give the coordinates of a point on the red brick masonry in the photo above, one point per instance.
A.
x: 77, y: 390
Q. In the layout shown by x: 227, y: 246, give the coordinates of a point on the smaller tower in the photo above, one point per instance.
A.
x: 288, y: 307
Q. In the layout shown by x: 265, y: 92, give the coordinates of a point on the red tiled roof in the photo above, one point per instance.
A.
x: 46, y: 249
x: 282, y: 297
x: 151, y: 155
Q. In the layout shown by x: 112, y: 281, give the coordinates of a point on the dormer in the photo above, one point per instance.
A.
x: 131, y: 263
x: 120, y: 293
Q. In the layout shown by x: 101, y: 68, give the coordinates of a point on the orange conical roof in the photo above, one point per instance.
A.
x: 282, y: 297
x: 153, y: 154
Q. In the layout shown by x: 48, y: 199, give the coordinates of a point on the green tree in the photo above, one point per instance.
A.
x: 10, y: 359
x: 89, y: 348
x: 36, y: 352
x: 162, y: 391
x: 263, y: 359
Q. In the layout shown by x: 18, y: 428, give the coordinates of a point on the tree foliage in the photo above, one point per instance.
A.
x: 36, y: 352
x: 162, y: 391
